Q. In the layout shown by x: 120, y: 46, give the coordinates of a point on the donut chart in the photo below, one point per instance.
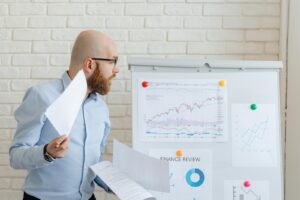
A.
x: 191, y: 182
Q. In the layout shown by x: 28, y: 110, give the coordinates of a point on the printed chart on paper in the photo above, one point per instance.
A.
x: 254, y: 136
x: 181, y: 109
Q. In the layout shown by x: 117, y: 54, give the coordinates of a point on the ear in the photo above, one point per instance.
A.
x: 88, y: 67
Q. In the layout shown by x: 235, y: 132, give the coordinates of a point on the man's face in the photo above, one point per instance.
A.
x: 98, y: 82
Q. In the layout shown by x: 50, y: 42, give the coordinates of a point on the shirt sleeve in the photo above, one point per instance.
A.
x: 105, y: 136
x: 24, y: 152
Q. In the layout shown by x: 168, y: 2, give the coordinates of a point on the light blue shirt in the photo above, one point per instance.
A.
x: 68, y: 178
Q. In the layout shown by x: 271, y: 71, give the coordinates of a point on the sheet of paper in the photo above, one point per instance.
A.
x: 151, y: 173
x: 182, y: 110
x: 191, y: 173
x: 254, y: 135
x: 119, y: 183
x: 63, y: 111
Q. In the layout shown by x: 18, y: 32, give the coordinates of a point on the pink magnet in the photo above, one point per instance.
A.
x: 247, y: 184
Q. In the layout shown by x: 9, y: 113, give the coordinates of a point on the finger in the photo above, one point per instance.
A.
x: 60, y: 140
x: 64, y: 144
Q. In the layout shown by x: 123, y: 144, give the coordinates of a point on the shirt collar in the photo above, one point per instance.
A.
x: 93, y: 96
x: 67, y: 80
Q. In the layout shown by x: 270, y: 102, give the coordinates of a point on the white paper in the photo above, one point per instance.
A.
x: 151, y: 173
x: 181, y: 110
x: 190, y: 175
x: 254, y: 135
x: 63, y: 111
x: 119, y: 183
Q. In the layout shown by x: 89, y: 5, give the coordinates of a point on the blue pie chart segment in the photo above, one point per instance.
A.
x: 189, y: 180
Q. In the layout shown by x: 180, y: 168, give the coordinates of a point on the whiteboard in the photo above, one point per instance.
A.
x: 234, y: 128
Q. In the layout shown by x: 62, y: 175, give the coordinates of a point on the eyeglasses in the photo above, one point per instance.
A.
x: 114, y: 60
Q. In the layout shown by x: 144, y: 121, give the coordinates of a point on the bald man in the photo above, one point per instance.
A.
x: 58, y: 167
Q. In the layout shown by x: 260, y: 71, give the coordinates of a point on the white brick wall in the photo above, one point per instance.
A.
x: 36, y: 37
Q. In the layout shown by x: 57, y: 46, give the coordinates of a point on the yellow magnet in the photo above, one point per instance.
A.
x: 222, y: 83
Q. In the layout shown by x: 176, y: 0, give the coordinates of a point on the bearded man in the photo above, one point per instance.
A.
x: 58, y: 167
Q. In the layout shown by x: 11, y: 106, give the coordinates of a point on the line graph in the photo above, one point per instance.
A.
x: 235, y: 190
x: 183, y: 109
x: 243, y: 194
x: 253, y: 135
x: 187, y: 107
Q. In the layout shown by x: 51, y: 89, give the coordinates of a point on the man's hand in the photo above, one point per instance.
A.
x: 58, y: 147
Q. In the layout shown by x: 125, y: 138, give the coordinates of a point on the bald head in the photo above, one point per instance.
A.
x: 91, y: 44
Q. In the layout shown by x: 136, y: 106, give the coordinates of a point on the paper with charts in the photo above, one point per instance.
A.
x: 190, y: 174
x: 237, y: 190
x: 151, y: 173
x: 124, y: 187
x: 182, y: 110
x: 254, y: 135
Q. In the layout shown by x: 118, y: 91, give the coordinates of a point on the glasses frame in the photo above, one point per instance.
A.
x: 115, y: 60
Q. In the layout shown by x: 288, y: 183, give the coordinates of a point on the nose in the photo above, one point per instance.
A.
x: 115, y: 70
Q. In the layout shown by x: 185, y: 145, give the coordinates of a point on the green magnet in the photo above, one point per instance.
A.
x: 253, y: 106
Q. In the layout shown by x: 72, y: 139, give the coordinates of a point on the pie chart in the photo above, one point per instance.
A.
x: 195, y: 177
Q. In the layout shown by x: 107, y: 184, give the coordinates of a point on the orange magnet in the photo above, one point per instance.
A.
x: 179, y: 153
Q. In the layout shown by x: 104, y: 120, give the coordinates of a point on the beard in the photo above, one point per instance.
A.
x: 98, y: 83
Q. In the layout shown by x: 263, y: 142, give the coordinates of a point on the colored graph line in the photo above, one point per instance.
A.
x: 180, y: 126
x: 172, y: 124
x: 184, y: 107
x: 186, y: 135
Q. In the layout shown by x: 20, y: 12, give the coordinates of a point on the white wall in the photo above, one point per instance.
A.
x: 293, y: 105
x: 36, y: 37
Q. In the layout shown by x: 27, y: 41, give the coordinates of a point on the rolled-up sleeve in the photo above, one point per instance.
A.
x: 24, y: 152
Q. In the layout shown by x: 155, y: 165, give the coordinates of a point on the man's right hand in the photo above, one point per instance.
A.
x: 58, y: 147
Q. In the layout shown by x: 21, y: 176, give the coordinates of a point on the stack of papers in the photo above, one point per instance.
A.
x: 132, y: 173
x: 120, y: 183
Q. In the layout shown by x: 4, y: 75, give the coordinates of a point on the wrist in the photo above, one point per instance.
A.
x: 48, y: 157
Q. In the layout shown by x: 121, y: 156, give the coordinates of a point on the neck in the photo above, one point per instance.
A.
x: 72, y: 73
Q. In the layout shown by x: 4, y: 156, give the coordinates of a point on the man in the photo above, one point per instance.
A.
x: 59, y: 166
